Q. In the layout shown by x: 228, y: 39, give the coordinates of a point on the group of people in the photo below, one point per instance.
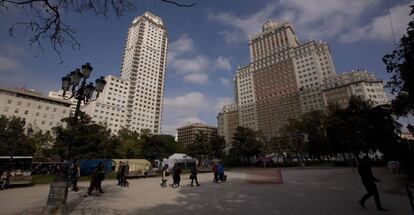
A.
x: 218, y: 171
x: 176, y: 174
x: 122, y: 174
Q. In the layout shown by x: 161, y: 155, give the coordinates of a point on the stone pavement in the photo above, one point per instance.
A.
x: 305, y: 191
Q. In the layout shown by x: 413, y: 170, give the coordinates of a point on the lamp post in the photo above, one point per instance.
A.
x: 75, y: 84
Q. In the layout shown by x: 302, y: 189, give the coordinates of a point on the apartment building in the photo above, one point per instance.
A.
x: 187, y: 134
x: 228, y: 121
x: 339, y: 89
x: 39, y: 111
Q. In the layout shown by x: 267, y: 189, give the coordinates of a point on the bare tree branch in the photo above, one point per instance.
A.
x: 180, y: 5
x: 45, y: 20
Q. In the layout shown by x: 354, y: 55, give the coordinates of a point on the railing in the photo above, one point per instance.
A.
x: 410, y: 189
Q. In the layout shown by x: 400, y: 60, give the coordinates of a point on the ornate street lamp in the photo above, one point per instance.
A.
x: 75, y: 84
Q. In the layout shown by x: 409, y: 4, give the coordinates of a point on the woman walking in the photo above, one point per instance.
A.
x: 165, y: 175
x: 193, y: 175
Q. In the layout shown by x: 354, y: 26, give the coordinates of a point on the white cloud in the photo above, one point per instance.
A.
x: 328, y: 21
x: 195, y: 64
x: 191, y: 66
x: 183, y: 109
x: 222, y: 63
x: 197, y: 78
x: 182, y: 45
x: 189, y: 108
x: 241, y: 27
x: 225, y: 81
x: 336, y: 19
x: 380, y: 28
x: 222, y: 101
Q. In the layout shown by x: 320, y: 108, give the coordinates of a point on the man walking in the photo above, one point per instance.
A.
x: 96, y: 179
x: 193, y: 175
x: 368, y: 179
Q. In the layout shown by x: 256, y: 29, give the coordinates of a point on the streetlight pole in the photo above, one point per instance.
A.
x: 75, y: 84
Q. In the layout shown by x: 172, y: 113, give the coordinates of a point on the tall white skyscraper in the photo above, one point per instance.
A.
x: 143, y: 64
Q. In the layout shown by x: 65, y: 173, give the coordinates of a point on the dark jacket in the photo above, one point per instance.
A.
x: 194, y: 171
x: 364, y: 170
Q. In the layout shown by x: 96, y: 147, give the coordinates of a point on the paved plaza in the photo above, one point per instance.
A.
x: 304, y: 191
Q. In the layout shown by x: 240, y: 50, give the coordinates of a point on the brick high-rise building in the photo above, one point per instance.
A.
x: 228, y: 121
x: 283, y: 79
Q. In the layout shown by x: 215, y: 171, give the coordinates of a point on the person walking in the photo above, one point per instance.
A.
x: 193, y: 175
x: 164, y: 177
x: 5, y: 179
x: 368, y: 180
x: 100, y: 177
x: 118, y: 173
x: 176, y: 176
x: 94, y: 184
x: 75, y: 175
x: 220, y: 172
x: 215, y: 172
x: 125, y: 174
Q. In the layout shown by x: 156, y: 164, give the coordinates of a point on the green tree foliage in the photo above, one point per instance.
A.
x: 400, y: 63
x: 41, y: 142
x: 129, y: 144
x: 245, y: 143
x: 13, y: 140
x: 200, y: 148
x: 86, y: 139
x: 217, y: 145
x: 159, y: 146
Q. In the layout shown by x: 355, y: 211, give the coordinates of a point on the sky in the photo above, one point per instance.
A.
x: 207, y: 43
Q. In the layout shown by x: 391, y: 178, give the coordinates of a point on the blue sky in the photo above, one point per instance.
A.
x: 206, y: 45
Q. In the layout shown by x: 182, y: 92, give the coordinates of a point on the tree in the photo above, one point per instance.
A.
x: 217, y: 144
x: 41, y: 142
x: 86, y: 140
x: 13, y: 140
x: 401, y: 65
x: 129, y: 146
x: 245, y: 144
x: 46, y: 18
x: 158, y: 146
x: 200, y: 148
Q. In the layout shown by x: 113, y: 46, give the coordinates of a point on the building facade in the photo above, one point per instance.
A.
x: 143, y: 65
x: 111, y: 106
x: 283, y: 79
x: 135, y: 99
x: 228, y: 121
x: 59, y: 95
x: 39, y: 111
x: 187, y: 134
x: 339, y: 89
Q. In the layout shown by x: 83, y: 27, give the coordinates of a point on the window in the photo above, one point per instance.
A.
x: 19, y: 103
x: 9, y: 101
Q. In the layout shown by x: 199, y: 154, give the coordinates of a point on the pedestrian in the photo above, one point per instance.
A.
x: 215, y: 172
x: 368, y: 180
x: 193, y: 175
x: 95, y: 182
x: 100, y: 177
x: 176, y: 176
x: 164, y: 177
x: 125, y: 175
x: 118, y: 173
x: 75, y: 175
x: 5, y: 179
x: 220, y: 171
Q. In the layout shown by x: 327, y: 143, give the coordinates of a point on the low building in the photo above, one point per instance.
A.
x: 407, y: 135
x: 187, y: 134
x: 39, y: 111
x: 228, y: 120
x: 339, y: 89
